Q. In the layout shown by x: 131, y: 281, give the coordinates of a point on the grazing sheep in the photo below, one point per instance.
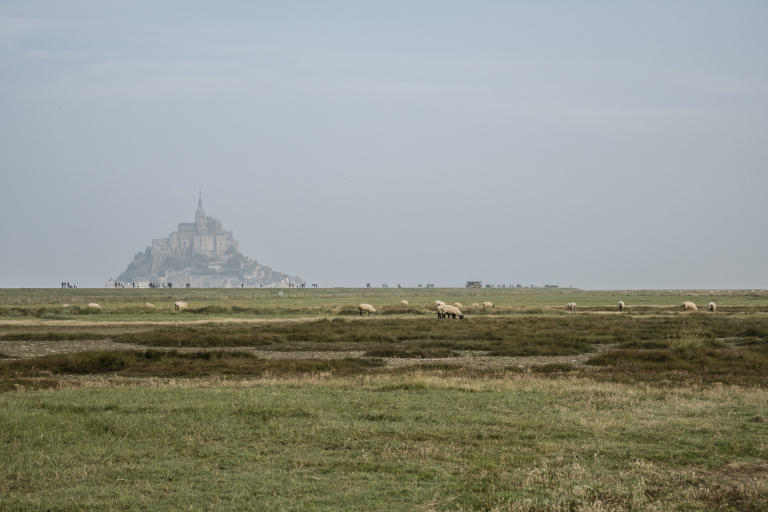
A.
x: 149, y: 306
x: 93, y: 305
x: 487, y: 304
x: 445, y: 311
x: 403, y: 302
x: 712, y: 307
x: 65, y: 306
x: 689, y: 306
x: 571, y: 306
x: 180, y: 306
x: 621, y: 305
x: 367, y: 308
x: 458, y: 305
x: 475, y: 305
x: 439, y: 303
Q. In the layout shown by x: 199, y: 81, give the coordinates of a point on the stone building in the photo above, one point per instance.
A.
x: 205, y: 237
x: 199, y: 254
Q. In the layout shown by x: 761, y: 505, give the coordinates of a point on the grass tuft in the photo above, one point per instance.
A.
x: 688, y: 337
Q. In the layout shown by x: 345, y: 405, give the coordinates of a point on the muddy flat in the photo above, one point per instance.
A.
x: 467, y: 358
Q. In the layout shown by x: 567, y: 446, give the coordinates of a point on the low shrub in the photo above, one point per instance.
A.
x: 411, y: 353
x: 209, y: 310
x: 754, y: 332
x: 554, y: 368
x: 173, y: 363
x: 707, y: 364
x: 348, y: 311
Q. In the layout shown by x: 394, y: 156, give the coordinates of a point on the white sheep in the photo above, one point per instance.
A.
x: 712, y: 307
x: 689, y: 306
x: 621, y: 305
x: 458, y: 305
x: 367, y: 308
x: 571, y: 306
x: 149, y: 306
x: 180, y: 306
x: 93, y: 305
x: 487, y: 304
x: 445, y: 311
x: 475, y: 305
x: 403, y: 302
x: 439, y: 303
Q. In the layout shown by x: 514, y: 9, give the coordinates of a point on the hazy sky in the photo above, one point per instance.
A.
x: 600, y: 145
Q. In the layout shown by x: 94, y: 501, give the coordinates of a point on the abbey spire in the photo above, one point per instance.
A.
x: 200, y: 222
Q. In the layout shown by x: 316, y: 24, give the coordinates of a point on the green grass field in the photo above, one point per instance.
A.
x: 252, y: 401
x: 303, y: 301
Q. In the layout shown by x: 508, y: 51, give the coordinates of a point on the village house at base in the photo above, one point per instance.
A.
x: 201, y: 254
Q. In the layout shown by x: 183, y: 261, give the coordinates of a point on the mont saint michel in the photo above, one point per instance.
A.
x: 200, y: 254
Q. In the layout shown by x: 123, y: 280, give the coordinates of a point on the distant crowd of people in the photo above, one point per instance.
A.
x: 67, y: 284
x: 385, y: 285
x: 151, y: 285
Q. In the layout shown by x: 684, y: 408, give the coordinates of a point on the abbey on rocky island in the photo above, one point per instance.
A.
x: 204, y: 237
x: 201, y: 254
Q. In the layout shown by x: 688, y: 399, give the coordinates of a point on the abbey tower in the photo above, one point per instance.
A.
x: 205, y: 237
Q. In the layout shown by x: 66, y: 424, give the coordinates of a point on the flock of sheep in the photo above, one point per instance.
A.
x: 178, y: 306
x: 690, y: 306
x: 687, y: 306
x: 444, y: 310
